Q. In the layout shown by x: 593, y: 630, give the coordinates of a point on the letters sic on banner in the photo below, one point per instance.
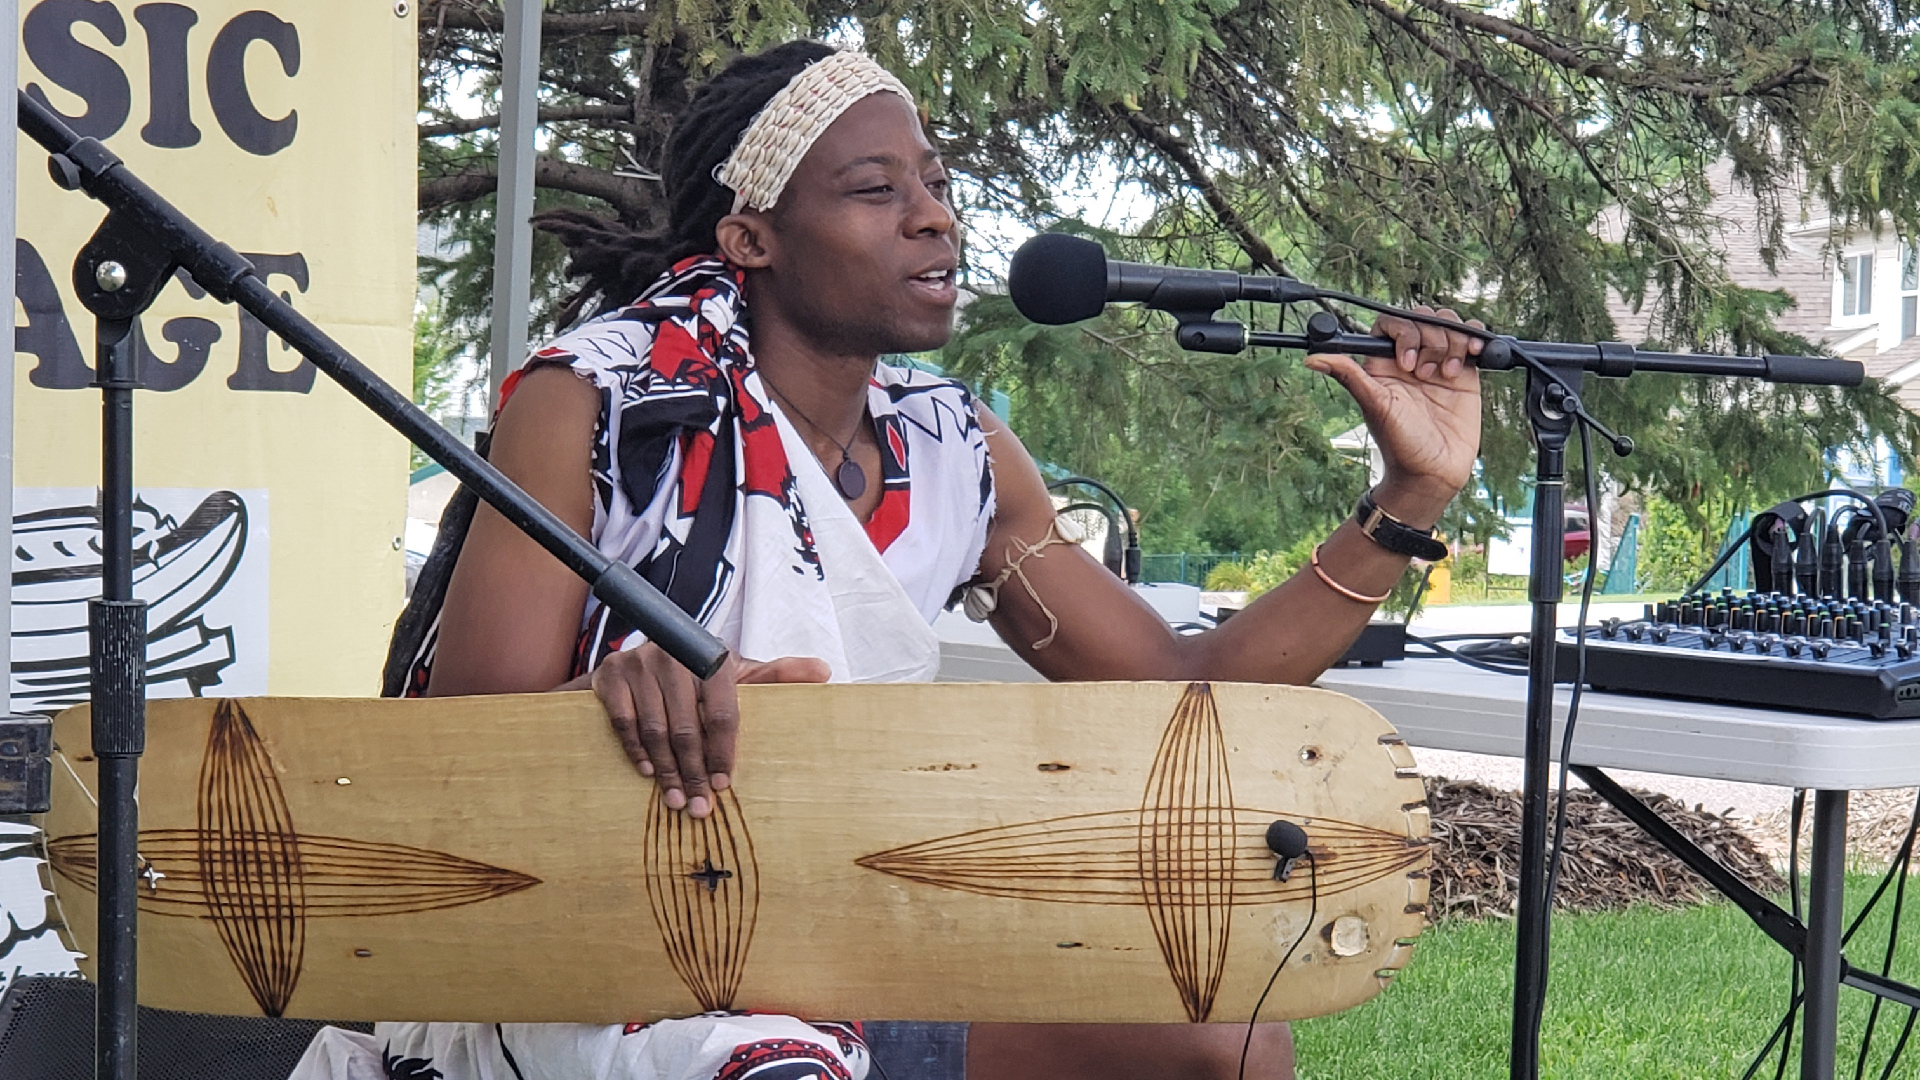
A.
x: 286, y: 129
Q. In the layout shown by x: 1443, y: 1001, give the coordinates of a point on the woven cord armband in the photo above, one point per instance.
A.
x: 1395, y: 535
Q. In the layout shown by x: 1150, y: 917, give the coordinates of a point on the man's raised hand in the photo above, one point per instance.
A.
x: 1422, y: 406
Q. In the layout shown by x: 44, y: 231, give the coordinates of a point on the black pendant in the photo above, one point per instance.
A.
x: 850, y: 478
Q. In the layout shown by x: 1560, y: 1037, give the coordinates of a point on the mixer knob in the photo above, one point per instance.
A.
x: 1903, y: 649
x: 1821, y: 649
x: 1636, y: 631
x: 1609, y: 628
x: 1764, y: 644
x: 1795, y: 644
x: 1876, y: 648
x: 1660, y: 633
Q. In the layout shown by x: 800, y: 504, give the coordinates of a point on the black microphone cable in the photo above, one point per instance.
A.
x: 1902, y: 862
x: 1785, y: 1028
x: 1879, y: 516
x: 1313, y: 912
x: 1487, y: 652
x: 1579, y: 687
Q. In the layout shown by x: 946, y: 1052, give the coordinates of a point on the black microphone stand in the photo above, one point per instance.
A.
x: 117, y: 276
x: 1554, y: 376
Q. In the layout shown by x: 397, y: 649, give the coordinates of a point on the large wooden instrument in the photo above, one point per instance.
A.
x: 1010, y: 852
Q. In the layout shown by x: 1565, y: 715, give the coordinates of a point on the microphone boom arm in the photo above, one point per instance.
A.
x: 1609, y: 359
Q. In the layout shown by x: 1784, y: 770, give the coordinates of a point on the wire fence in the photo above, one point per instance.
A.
x: 1186, y: 568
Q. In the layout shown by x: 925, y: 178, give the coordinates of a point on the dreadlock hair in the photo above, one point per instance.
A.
x: 617, y: 261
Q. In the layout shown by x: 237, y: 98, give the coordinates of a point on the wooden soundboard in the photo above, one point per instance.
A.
x: 991, y: 852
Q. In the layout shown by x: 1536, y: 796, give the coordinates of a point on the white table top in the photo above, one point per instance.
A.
x: 1447, y: 705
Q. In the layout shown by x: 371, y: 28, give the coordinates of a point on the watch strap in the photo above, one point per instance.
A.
x: 1395, y: 535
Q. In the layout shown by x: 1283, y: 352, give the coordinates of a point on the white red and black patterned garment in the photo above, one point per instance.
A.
x: 710, y: 493
x: 695, y: 484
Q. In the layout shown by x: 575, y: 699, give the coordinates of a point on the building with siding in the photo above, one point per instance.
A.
x: 1857, y: 294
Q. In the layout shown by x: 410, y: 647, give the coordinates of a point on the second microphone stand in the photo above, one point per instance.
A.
x: 1555, y: 372
x: 118, y: 274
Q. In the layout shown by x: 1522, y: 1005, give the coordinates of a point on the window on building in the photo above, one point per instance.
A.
x: 1909, y: 289
x: 1856, y: 284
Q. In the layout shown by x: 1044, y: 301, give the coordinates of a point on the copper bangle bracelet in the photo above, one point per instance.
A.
x: 1356, y: 597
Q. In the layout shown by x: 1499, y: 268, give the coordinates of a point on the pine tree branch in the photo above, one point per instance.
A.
x: 1680, y: 84
x: 1483, y: 77
x: 549, y: 115
x: 628, y: 195
x: 465, y: 15
x: 1177, y: 151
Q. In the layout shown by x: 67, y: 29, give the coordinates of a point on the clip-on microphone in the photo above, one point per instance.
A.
x: 1289, y: 843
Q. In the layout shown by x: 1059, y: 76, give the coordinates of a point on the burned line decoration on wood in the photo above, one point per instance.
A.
x: 1188, y: 855
x: 704, y: 886
x: 249, y: 870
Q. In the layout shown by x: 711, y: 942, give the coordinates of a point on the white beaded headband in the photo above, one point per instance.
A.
x: 781, y: 133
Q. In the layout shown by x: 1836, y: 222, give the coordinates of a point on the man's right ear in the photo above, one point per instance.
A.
x: 745, y: 239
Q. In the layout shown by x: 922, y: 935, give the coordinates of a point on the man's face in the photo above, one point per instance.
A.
x: 862, y: 252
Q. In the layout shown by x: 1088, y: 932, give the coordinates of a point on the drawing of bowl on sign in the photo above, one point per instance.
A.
x: 179, y: 567
x: 1187, y: 854
x: 247, y: 868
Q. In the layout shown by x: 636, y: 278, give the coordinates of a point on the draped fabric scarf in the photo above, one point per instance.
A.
x: 694, y: 484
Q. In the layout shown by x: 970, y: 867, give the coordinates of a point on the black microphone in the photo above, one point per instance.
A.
x: 1056, y: 278
x: 1289, y: 842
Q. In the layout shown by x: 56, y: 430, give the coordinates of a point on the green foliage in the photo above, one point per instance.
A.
x: 1217, y: 454
x: 1229, y: 577
x: 434, y: 348
x: 1676, y: 547
x: 1516, y: 161
x: 1266, y: 570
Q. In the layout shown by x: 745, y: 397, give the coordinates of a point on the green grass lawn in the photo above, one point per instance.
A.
x: 1635, y: 995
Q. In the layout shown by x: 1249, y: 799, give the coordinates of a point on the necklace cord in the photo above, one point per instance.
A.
x: 848, y: 490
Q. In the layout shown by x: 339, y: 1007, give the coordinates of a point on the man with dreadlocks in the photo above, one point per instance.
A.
x: 725, y: 426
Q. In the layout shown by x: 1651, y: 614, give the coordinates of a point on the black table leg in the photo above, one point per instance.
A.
x: 1826, y: 883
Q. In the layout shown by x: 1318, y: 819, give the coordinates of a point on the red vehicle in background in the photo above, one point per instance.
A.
x: 1579, y: 533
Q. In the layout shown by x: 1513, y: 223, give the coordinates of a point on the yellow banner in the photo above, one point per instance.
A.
x: 271, y: 504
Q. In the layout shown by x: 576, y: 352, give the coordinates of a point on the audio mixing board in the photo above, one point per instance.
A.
x: 1794, y: 652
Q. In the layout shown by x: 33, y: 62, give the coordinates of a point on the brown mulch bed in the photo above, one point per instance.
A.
x: 1877, y: 823
x: 1607, y: 863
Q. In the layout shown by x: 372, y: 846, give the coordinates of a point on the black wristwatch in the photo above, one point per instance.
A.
x: 1395, y: 535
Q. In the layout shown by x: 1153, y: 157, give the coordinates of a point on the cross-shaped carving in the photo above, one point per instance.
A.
x: 710, y: 876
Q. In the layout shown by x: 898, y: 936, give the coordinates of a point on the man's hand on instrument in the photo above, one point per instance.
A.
x: 1422, y: 406
x: 678, y: 729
